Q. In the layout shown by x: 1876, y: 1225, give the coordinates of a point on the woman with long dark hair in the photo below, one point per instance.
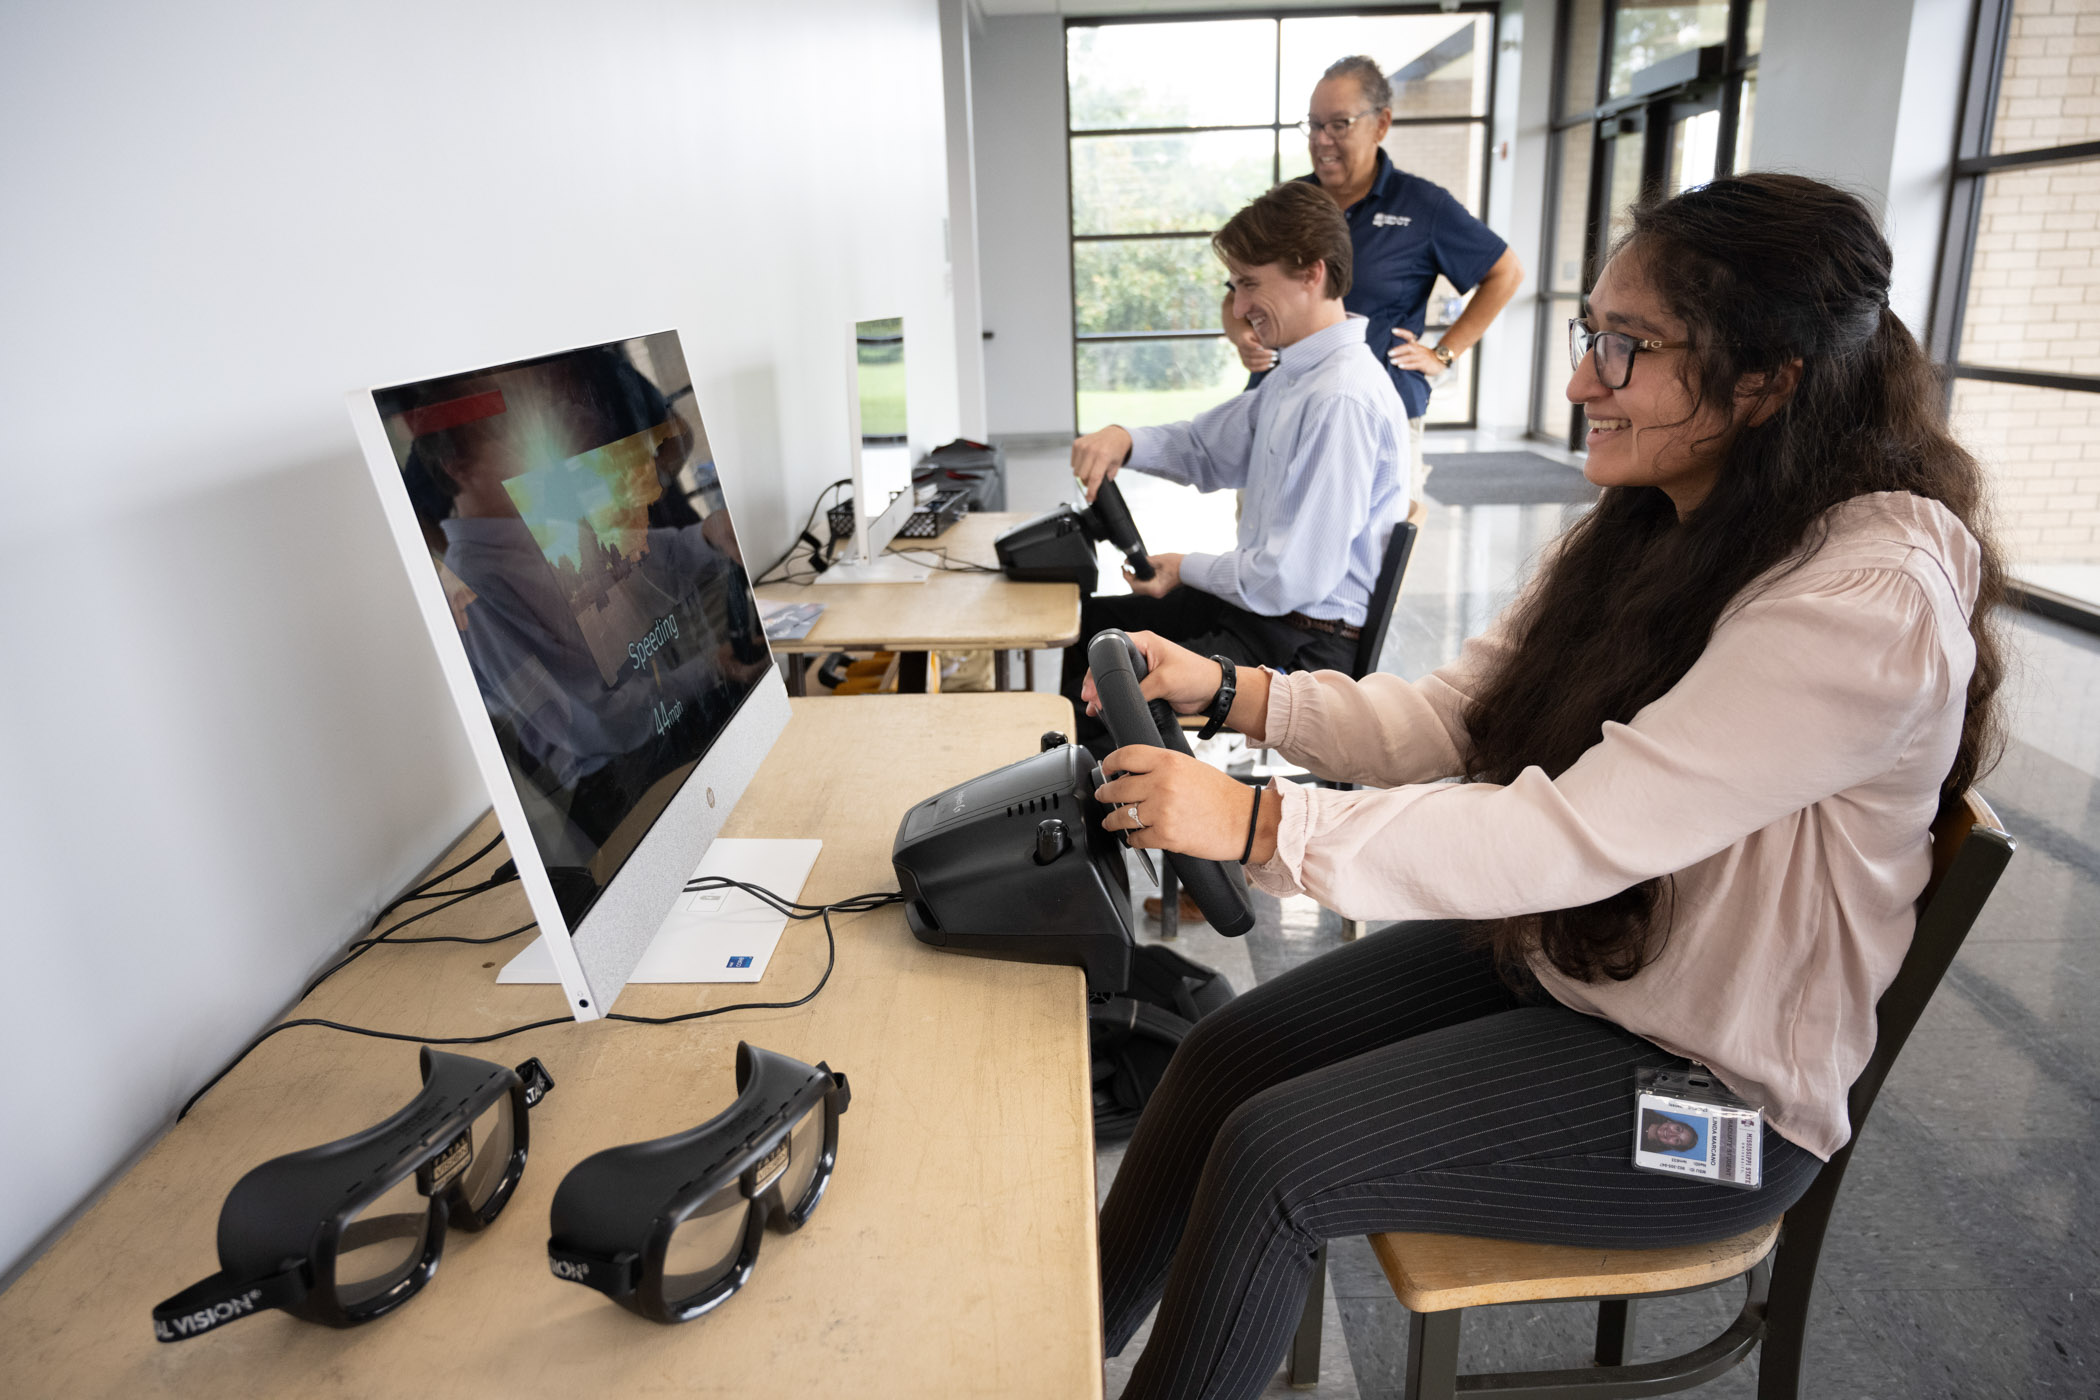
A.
x: 1699, y: 759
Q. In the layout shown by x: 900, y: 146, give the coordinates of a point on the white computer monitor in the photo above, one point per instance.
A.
x: 878, y: 430
x: 570, y: 549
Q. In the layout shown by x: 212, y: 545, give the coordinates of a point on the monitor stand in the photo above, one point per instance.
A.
x: 718, y: 935
x: 868, y: 562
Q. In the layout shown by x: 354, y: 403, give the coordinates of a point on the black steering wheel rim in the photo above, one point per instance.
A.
x: 1118, y: 666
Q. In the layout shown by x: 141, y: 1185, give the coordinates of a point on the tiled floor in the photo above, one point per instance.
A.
x: 1965, y: 1250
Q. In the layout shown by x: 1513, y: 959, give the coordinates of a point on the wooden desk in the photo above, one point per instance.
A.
x: 954, y: 1255
x: 948, y: 612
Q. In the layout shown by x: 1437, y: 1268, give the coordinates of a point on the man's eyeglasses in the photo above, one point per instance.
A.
x: 1614, y: 351
x: 1336, y: 128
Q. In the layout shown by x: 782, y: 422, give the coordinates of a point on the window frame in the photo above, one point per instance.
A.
x: 1484, y: 121
x: 1989, y: 37
x: 1651, y: 114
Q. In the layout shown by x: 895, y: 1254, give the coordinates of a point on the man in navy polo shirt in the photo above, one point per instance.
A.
x: 1405, y: 230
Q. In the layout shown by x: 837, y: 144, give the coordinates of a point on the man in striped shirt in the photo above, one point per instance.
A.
x: 1319, y: 447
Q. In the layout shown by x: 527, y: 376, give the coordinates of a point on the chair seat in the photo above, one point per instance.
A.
x: 1435, y: 1273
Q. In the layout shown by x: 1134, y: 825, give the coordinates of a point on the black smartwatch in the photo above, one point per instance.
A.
x: 1221, y: 703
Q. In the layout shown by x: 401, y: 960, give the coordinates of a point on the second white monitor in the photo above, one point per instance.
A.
x: 879, y: 440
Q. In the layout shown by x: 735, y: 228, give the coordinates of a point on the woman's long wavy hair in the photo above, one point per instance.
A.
x: 1763, y: 269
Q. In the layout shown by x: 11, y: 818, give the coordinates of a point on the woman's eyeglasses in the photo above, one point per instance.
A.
x: 1336, y: 129
x: 1614, y: 351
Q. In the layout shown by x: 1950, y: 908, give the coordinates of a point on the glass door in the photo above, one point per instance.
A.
x: 1694, y: 146
x: 1653, y: 97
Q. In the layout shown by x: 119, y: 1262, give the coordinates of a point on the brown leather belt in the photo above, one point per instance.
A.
x: 1320, y: 624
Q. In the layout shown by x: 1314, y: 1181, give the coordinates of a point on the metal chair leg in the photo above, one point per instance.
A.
x: 1432, y: 1355
x: 1305, y: 1347
x: 1169, y: 900
x: 1786, y: 1315
x: 1614, y: 1331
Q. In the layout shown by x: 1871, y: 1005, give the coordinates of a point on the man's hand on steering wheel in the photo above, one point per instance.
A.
x: 1166, y: 576
x: 1098, y: 456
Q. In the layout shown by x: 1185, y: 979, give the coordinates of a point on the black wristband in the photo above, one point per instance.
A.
x: 1254, y: 821
x: 1221, y: 703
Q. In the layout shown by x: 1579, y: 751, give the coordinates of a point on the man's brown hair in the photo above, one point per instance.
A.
x: 1295, y: 225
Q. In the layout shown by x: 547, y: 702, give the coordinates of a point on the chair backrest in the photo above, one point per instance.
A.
x: 1970, y: 848
x: 1969, y: 851
x: 1378, y: 618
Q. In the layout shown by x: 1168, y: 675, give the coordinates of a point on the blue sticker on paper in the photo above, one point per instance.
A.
x: 740, y: 962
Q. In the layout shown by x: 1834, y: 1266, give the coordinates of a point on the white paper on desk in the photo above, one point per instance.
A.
x: 709, y: 932
x: 788, y: 622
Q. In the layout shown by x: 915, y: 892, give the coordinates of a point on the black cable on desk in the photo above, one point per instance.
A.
x: 357, y: 1030
x: 452, y: 938
x: 807, y: 527
x: 856, y: 904
x: 852, y: 904
x: 365, y: 945
x: 423, y: 891
x: 943, y: 563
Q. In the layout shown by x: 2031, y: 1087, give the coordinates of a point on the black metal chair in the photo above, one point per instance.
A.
x: 1370, y: 645
x: 1378, y: 617
x: 1437, y: 1276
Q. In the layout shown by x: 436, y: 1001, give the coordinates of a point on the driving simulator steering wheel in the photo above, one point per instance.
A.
x: 1118, y: 666
x: 1111, y: 519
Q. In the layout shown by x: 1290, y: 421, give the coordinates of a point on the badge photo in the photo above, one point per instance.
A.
x: 1687, y: 1124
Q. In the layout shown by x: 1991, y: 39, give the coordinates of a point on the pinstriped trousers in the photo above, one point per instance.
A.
x: 1393, y: 1084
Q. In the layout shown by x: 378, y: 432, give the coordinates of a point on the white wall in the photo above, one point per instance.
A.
x: 962, y: 27
x: 1023, y: 223
x: 1867, y: 94
x: 226, y: 739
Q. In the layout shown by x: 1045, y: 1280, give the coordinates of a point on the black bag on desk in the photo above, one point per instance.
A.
x: 979, y: 468
x: 1134, y: 1035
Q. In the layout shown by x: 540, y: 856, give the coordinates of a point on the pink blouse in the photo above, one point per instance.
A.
x: 1788, y: 781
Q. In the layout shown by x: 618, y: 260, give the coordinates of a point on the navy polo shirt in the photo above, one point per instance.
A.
x: 1405, y: 232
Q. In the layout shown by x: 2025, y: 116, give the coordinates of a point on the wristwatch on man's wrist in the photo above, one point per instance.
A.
x: 1221, y: 703
x: 1444, y: 353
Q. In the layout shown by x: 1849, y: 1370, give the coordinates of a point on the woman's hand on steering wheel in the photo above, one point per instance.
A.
x: 1181, y: 804
x: 1174, y: 674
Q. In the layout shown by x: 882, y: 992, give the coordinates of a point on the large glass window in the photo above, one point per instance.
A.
x: 2017, y: 316
x: 1653, y: 98
x: 1645, y: 34
x: 1175, y: 124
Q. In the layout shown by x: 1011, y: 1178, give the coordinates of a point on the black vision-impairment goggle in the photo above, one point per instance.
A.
x: 350, y: 1230
x: 670, y: 1228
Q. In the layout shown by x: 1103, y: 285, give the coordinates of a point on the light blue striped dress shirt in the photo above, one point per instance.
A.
x: 1320, y: 448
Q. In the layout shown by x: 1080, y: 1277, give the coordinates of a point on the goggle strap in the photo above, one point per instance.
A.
x: 220, y: 1299
x: 538, y: 1083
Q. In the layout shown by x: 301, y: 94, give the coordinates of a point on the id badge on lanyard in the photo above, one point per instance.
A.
x: 1686, y: 1123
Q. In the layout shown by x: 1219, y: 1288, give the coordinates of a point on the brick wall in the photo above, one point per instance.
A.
x: 2050, y: 93
x: 2041, y: 450
x: 2034, y: 287
x: 2034, y: 293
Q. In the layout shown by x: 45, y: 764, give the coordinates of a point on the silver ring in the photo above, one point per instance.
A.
x: 1135, y: 820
